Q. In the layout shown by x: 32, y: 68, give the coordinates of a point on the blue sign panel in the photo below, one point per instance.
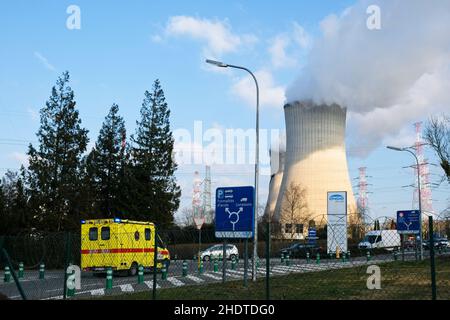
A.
x: 408, y: 222
x: 234, y: 212
x: 312, y: 235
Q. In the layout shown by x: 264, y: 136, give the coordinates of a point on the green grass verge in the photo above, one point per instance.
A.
x: 400, y: 280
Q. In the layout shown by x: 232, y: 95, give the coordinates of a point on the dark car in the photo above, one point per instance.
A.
x: 438, y: 243
x: 299, y: 250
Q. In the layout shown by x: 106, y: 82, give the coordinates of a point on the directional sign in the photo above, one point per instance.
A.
x: 234, y: 212
x: 337, y: 221
x: 408, y: 222
x: 312, y: 235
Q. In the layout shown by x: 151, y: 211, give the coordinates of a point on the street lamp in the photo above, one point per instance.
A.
x: 418, y: 188
x: 255, y: 229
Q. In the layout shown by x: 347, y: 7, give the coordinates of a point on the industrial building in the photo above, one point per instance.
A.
x: 314, y: 163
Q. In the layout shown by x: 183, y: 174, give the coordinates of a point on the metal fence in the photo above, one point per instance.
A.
x: 377, y: 264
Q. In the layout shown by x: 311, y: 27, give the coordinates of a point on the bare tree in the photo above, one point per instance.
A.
x: 437, y: 135
x: 187, y: 217
x: 295, y: 207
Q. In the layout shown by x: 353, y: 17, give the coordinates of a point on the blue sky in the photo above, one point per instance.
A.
x: 122, y: 47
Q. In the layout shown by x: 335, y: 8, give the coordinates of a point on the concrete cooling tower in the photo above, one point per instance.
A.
x: 277, y: 165
x: 315, y: 159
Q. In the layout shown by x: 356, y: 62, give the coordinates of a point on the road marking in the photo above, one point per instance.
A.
x: 212, y: 276
x: 195, y: 279
x: 285, y: 269
x: 54, y: 298
x: 126, y: 288
x: 261, y: 270
x: 98, y: 292
x: 240, y: 271
x: 175, y: 281
x: 150, y: 284
x: 233, y: 274
x: 278, y: 271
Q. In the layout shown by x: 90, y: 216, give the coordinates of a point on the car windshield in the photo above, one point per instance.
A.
x: 372, y: 239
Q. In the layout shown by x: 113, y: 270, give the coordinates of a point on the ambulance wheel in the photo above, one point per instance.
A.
x: 133, y: 270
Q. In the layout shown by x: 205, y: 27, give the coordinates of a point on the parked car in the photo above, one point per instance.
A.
x: 299, y: 250
x: 216, y: 251
x: 439, y: 242
x: 381, y: 239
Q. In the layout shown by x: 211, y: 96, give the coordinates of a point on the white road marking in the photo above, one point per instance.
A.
x: 195, y: 279
x: 98, y: 292
x: 175, y: 281
x: 241, y: 271
x: 150, y: 284
x: 278, y: 271
x: 212, y: 276
x: 126, y: 288
x: 54, y: 298
x: 230, y: 273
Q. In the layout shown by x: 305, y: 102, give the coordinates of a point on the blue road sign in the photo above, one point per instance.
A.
x: 408, y: 222
x: 234, y: 212
x: 312, y: 235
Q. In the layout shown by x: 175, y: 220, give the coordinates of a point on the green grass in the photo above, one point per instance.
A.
x: 400, y: 280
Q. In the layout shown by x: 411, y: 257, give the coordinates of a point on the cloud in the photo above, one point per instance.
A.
x: 387, y: 78
x: 21, y: 158
x: 278, y: 53
x: 34, y: 115
x: 301, y: 37
x: 216, y: 35
x: 427, y: 96
x: 271, y: 95
x: 44, y: 61
x: 286, y: 48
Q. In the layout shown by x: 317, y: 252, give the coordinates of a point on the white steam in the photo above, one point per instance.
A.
x: 387, y: 78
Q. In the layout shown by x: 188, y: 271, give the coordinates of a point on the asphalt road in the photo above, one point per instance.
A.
x: 93, y: 285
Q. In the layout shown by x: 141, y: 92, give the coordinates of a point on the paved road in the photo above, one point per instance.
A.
x: 51, y: 286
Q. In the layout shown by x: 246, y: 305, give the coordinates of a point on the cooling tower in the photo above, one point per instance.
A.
x: 315, y: 158
x: 277, y: 165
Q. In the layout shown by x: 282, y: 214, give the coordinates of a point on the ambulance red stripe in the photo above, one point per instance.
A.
x: 131, y: 250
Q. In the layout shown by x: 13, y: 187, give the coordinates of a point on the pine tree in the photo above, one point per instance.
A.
x: 3, y: 217
x: 153, y: 167
x: 54, y: 167
x: 15, y: 217
x: 105, y: 165
x: 22, y: 218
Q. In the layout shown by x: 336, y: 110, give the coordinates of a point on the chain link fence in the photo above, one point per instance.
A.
x: 370, y: 261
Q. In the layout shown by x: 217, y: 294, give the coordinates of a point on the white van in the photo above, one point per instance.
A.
x: 381, y: 239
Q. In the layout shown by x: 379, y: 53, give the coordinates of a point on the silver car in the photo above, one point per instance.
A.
x: 216, y: 251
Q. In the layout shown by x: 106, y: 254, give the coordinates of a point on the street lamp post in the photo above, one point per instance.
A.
x: 420, y: 196
x: 255, y: 229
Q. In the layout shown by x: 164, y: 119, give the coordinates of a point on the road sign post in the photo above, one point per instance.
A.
x: 235, y: 217
x: 199, y: 221
x: 224, y: 261
x: 245, y: 262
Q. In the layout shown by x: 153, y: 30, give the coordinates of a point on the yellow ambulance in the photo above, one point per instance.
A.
x: 119, y: 244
